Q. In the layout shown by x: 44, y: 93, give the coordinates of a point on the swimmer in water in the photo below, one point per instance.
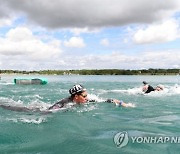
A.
x: 159, y: 87
x: 78, y: 95
x: 148, y: 88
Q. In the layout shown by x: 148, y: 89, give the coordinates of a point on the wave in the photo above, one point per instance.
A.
x: 6, y: 83
x: 35, y: 112
x: 168, y: 91
x: 33, y: 120
x: 95, y: 97
x: 36, y: 105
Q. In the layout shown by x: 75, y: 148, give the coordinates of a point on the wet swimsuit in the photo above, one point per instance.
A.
x: 65, y: 101
x: 61, y: 103
x: 150, y: 88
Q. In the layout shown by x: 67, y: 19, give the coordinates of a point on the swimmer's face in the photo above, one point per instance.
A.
x: 81, y: 98
x: 145, y: 88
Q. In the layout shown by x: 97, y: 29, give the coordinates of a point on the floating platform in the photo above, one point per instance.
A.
x: 29, y: 81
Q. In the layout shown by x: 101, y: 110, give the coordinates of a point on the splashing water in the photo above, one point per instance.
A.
x: 81, y: 128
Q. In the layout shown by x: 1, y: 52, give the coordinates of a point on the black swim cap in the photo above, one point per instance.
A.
x: 144, y: 82
x: 76, y: 89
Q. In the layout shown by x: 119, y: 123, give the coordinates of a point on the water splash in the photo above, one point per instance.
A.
x: 35, y: 120
x: 95, y: 98
x: 168, y: 91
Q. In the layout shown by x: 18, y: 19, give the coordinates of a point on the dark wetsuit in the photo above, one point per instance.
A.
x: 57, y: 105
x: 15, y: 108
x: 23, y: 109
x: 150, y: 88
x: 67, y: 100
x: 61, y: 103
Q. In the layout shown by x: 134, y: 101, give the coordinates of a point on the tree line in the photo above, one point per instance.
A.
x: 98, y: 72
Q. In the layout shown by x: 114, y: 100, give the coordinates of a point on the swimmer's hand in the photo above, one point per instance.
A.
x: 123, y: 104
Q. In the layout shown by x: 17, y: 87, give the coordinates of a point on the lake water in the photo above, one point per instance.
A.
x: 91, y: 128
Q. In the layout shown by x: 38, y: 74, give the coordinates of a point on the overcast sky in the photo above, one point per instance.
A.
x: 89, y: 34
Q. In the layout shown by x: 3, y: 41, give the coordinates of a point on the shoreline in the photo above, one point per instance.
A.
x: 154, y: 72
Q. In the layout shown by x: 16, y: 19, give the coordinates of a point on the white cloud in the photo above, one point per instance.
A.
x: 75, y: 42
x: 90, y: 13
x: 78, y: 31
x: 159, y: 59
x: 157, y: 33
x: 5, y: 22
x: 156, y: 59
x: 37, y: 47
x: 104, y: 42
x: 21, y: 41
x: 20, y: 34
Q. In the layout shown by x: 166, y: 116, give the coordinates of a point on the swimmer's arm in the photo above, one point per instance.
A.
x: 92, y: 100
x: 119, y: 103
x: 57, y: 105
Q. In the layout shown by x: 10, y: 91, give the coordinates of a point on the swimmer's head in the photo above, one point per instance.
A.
x: 160, y: 86
x: 76, y: 89
x: 78, y: 94
x: 144, y: 82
